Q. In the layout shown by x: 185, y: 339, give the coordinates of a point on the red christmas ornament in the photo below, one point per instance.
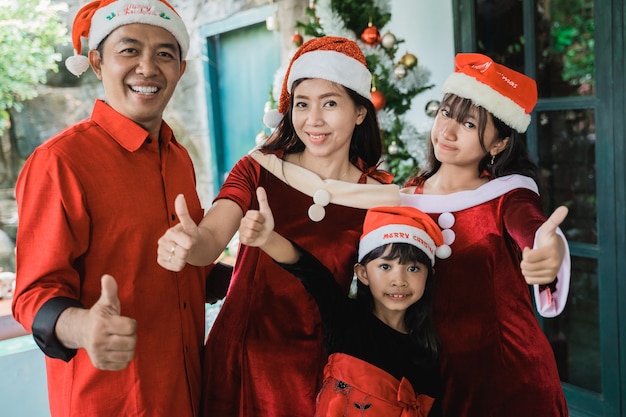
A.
x: 378, y: 99
x: 296, y: 39
x: 371, y: 35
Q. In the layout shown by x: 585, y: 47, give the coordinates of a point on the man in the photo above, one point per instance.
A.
x: 122, y: 336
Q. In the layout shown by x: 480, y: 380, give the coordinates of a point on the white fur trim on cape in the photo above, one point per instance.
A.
x: 332, y: 66
x: 484, y: 96
x: 363, y: 196
x: 548, y: 305
x: 437, y: 203
x: 123, y: 12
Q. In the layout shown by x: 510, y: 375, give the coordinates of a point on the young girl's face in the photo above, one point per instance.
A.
x: 394, y: 286
x: 458, y: 142
x: 324, y: 116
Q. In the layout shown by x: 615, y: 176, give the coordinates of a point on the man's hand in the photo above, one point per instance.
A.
x: 108, y: 337
x: 540, y: 265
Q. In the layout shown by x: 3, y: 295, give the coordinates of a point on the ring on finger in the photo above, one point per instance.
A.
x: 173, y: 249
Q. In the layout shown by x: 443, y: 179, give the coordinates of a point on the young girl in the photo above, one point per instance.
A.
x: 382, y: 345
x: 480, y: 186
x: 265, y: 354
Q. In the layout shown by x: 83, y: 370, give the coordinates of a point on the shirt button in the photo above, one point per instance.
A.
x: 149, y: 140
x: 173, y: 216
x: 184, y: 304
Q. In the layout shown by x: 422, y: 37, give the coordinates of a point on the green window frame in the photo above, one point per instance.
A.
x: 607, y: 252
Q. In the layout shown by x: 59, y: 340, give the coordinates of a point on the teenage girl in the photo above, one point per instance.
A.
x: 382, y: 344
x: 480, y: 186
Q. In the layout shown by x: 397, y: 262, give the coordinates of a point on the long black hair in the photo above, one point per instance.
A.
x: 418, y: 317
x: 514, y: 159
x: 366, y: 142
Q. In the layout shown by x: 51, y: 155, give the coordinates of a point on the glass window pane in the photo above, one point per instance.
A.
x: 565, y: 47
x: 500, y: 31
x: 574, y: 335
x: 567, y: 147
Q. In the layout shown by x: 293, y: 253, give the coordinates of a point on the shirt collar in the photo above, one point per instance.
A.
x: 123, y: 130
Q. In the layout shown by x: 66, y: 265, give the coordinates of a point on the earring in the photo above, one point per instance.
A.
x: 493, y: 158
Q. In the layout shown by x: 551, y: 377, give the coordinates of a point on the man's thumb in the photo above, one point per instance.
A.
x: 108, y: 296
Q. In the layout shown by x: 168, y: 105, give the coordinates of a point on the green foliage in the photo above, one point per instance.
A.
x: 357, y: 14
x: 29, y: 32
x: 573, y: 37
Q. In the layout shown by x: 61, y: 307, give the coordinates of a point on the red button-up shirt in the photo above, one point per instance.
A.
x: 94, y: 200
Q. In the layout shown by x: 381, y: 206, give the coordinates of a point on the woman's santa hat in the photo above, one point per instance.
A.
x: 402, y: 224
x: 331, y: 58
x: 97, y: 19
x: 507, y: 94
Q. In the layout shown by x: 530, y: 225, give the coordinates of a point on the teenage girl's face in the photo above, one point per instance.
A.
x: 324, y: 117
x: 458, y: 143
x: 394, y: 286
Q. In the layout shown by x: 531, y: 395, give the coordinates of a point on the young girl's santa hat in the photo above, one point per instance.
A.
x: 402, y: 224
x: 331, y: 58
x: 505, y: 93
x: 97, y: 19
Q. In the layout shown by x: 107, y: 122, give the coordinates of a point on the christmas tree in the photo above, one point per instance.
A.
x: 396, y: 80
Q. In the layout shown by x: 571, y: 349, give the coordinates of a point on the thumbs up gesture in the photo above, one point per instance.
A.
x: 175, y: 245
x: 256, y: 226
x: 109, y: 338
x: 540, y: 265
x: 257, y: 229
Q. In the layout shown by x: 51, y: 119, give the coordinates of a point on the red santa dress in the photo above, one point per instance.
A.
x: 495, y: 359
x: 265, y: 355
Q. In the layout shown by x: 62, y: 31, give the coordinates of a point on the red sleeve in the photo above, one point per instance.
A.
x: 53, y: 233
x: 241, y: 184
x: 523, y: 215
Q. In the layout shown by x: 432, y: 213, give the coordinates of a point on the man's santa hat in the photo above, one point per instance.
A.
x: 331, y: 58
x: 507, y: 94
x: 402, y: 224
x: 96, y: 20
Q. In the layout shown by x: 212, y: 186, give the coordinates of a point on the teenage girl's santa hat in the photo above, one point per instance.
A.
x: 97, y: 19
x: 402, y: 224
x: 505, y: 93
x: 331, y: 58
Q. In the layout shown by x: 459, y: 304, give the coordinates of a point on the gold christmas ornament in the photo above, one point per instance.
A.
x: 408, y: 60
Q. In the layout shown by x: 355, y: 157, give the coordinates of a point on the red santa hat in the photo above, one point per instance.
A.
x: 402, y: 224
x: 331, y: 58
x: 98, y: 18
x: 505, y: 93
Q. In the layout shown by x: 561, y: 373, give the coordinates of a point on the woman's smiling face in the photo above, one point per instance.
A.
x: 324, y: 116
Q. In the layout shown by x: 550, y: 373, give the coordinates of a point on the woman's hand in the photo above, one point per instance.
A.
x: 178, y: 241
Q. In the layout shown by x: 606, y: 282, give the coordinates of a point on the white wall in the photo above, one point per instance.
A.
x: 427, y: 29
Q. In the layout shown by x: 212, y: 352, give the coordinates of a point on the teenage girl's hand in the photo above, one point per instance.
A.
x: 178, y: 241
x: 256, y: 226
x: 540, y: 265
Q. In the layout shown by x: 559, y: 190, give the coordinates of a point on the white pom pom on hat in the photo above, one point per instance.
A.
x: 331, y: 58
x: 97, y: 19
x: 402, y: 224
